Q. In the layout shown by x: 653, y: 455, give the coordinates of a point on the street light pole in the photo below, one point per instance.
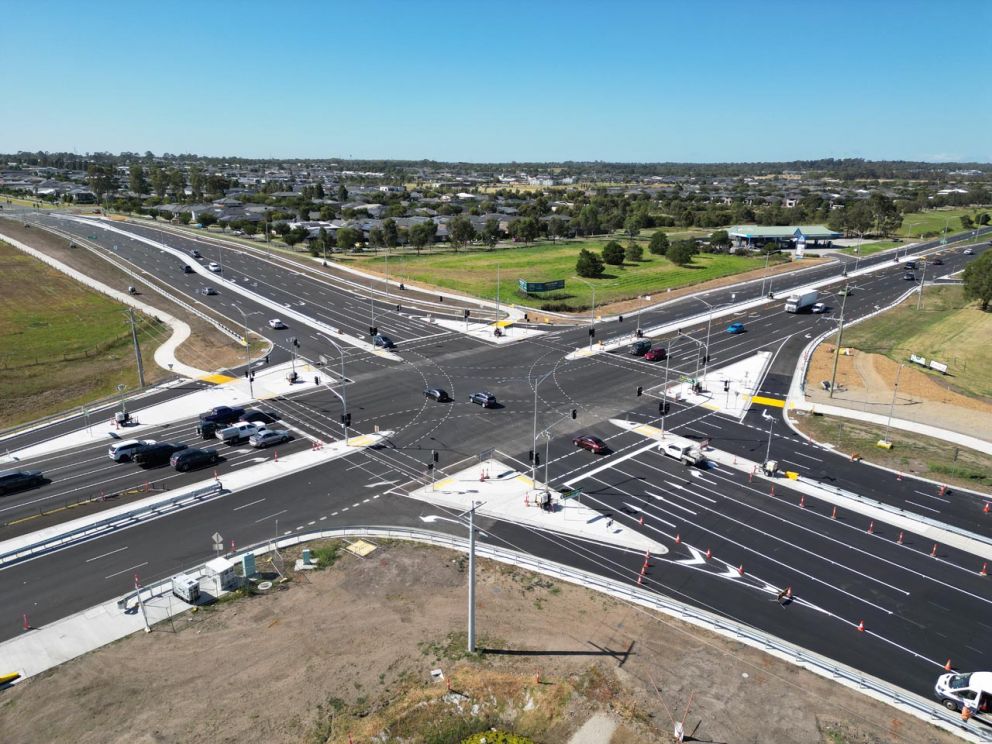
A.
x: 592, y: 319
x: 244, y: 317
x: 892, y: 405
x: 533, y: 460
x: 471, y: 579
x: 768, y: 451
x: 344, y: 387
x: 840, y: 337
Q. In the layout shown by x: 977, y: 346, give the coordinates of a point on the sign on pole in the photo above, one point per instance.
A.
x: 218, y: 542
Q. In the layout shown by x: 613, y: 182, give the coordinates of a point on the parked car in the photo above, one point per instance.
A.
x: 588, y: 442
x: 193, y: 458
x: 214, y: 267
x: 437, y: 394
x: 657, y: 354
x: 486, y: 400
x: 269, y: 437
x: 208, y: 291
x: 382, y: 342
x: 639, y: 347
x: 277, y: 324
x: 18, y: 480
x: 187, y: 269
x: 157, y: 454
x: 124, y: 451
x: 222, y: 415
x: 819, y: 307
x: 735, y: 328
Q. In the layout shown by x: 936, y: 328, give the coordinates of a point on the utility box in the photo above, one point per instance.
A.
x: 248, y: 565
x: 220, y: 576
x: 186, y: 588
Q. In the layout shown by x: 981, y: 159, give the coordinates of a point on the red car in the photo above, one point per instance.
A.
x: 594, y: 444
x: 657, y: 354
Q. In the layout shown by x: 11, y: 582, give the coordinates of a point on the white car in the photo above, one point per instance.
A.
x: 819, y: 307
x: 969, y: 251
x: 276, y: 323
x: 214, y: 267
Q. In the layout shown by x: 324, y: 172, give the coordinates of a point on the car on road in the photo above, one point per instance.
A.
x: 382, y: 342
x: 157, y: 454
x: 222, y: 415
x: 735, y: 328
x: 214, y: 267
x: 909, y: 276
x: 208, y: 291
x: 18, y: 480
x: 124, y: 451
x: 819, y: 307
x: 195, y: 253
x: 269, y: 437
x: 187, y: 269
x: 910, y: 266
x: 657, y: 354
x: 486, y: 400
x: 239, y: 432
x: 639, y: 347
x: 277, y: 324
x: 970, y: 251
x: 433, y: 393
x: 937, y: 261
x: 588, y: 442
x: 193, y: 458
x: 254, y: 415
x: 845, y: 292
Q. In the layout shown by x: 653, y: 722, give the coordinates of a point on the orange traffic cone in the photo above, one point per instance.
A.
x: 871, y: 527
x: 987, y: 507
x: 709, y: 553
x: 899, y: 541
x: 933, y: 553
x: 802, y: 502
x: 947, y: 666
x: 740, y: 570
x: 985, y: 570
x: 641, y: 520
x: 861, y: 626
x: 678, y: 539
x: 833, y: 514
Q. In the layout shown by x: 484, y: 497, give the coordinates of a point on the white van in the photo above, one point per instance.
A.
x: 124, y: 451
x: 955, y: 691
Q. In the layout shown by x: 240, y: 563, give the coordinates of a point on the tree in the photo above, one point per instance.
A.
x: 659, y: 243
x: 720, y: 238
x: 588, y: 220
x: 633, y: 253
x: 589, y: 264
x: 460, y: 232
x: 422, y: 234
x: 185, y: 217
x: 490, y: 232
x: 101, y: 179
x: 983, y: 218
x: 348, y: 238
x: 177, y: 182
x: 159, y: 180
x: 978, y: 280
x: 296, y: 235
x: 342, y: 193
x: 196, y: 181
x: 632, y: 225
x: 681, y: 252
x: 391, y: 234
x: 966, y: 222
x: 377, y: 238
x: 137, y: 181
x: 556, y: 228
x: 613, y: 253
x: 206, y: 218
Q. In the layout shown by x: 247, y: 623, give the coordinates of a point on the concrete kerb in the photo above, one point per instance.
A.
x: 257, y: 298
x: 13, y: 651
x: 180, y: 329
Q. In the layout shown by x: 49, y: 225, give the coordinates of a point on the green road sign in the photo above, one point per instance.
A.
x: 526, y: 286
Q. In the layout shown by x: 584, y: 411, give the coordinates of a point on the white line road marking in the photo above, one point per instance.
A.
x: 929, y: 496
x: 98, y: 557
x: 312, y: 522
x: 126, y: 570
x: 808, y: 457
x: 250, y: 503
x: 571, y: 483
x: 936, y: 511
x: 670, y: 503
x: 271, y: 516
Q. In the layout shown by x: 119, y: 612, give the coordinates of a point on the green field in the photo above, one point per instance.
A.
x: 947, y: 329
x: 61, y: 345
x: 934, y: 221
x: 870, y: 248
x: 475, y: 272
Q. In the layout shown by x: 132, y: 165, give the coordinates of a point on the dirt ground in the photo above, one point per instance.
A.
x: 348, y: 652
x: 865, y: 382
x: 206, y: 348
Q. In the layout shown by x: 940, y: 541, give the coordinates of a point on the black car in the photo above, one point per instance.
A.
x: 382, y: 342
x: 187, y: 269
x: 195, y: 253
x: 252, y: 414
x: 938, y: 261
x: 156, y: 454
x: 437, y: 394
x: 910, y: 265
x: 222, y: 415
x: 192, y: 458
x: 17, y: 480
x: 486, y: 400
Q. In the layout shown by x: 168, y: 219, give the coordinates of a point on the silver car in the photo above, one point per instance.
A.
x: 269, y: 437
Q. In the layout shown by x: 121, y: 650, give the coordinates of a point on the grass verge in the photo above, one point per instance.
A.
x: 910, y: 453
x: 915, y: 224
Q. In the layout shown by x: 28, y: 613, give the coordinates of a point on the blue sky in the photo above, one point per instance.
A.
x: 707, y: 80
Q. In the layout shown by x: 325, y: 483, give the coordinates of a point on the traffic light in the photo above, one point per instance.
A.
x: 592, y: 333
x: 346, y: 419
x: 467, y: 312
x: 640, y: 391
x: 726, y: 386
x: 537, y: 458
x: 574, y: 413
x: 620, y: 319
x: 663, y: 406
x: 434, y: 455
x: 530, y: 456
x: 430, y: 467
x: 373, y: 330
x: 639, y: 333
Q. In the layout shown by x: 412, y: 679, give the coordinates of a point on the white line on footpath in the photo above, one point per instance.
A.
x: 98, y: 557
x: 126, y: 570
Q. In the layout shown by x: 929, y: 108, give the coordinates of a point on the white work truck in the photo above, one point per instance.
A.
x: 974, y: 690
x: 682, y: 449
x: 240, y: 432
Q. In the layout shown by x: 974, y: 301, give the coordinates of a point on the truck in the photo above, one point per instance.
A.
x: 186, y: 588
x: 797, y: 303
x: 973, y: 690
x: 683, y: 449
x: 240, y: 432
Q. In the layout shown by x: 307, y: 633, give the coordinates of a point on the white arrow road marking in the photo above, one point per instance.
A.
x: 381, y: 483
x: 697, y: 557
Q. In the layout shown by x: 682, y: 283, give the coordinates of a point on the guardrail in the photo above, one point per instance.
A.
x: 116, y: 522
x: 904, y: 700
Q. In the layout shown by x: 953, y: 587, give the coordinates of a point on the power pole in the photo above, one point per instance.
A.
x: 471, y: 579
x: 840, y: 336
x: 137, y: 348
